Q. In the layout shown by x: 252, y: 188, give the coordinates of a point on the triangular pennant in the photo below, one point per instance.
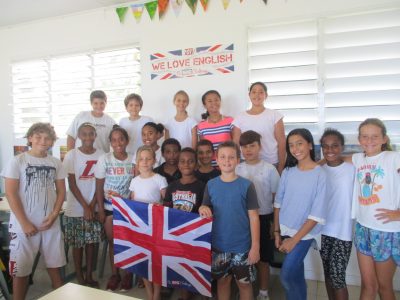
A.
x: 151, y: 8
x: 137, y: 11
x: 176, y: 6
x: 121, y: 12
x: 162, y: 7
x: 204, y: 3
x: 225, y: 3
x: 192, y: 4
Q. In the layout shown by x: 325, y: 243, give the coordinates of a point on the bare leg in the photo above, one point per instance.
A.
x: 263, y: 273
x: 20, y: 287
x: 156, y: 292
x: 108, y: 226
x: 369, y: 281
x: 385, y: 273
x: 245, y: 290
x: 55, y: 277
x: 89, y: 249
x: 77, y: 255
x: 224, y: 288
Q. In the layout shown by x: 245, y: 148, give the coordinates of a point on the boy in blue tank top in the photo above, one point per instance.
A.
x: 235, y: 241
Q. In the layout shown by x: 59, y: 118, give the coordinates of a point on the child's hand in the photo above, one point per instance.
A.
x: 287, y: 245
x: 254, y: 255
x: 48, y: 221
x: 29, y: 229
x: 205, y: 211
x: 387, y: 215
x: 278, y: 240
x: 88, y: 213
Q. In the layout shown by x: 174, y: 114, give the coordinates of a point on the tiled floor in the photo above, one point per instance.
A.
x: 316, y: 289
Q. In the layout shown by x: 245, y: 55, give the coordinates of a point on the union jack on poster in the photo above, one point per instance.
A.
x: 167, y: 246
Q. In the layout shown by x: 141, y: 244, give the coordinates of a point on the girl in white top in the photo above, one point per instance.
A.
x: 376, y: 208
x: 114, y: 172
x: 182, y: 127
x: 267, y: 122
x: 148, y: 187
x: 82, y: 230
x: 135, y: 122
x: 151, y: 133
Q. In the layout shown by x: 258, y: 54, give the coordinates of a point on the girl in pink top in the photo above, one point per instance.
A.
x: 215, y: 127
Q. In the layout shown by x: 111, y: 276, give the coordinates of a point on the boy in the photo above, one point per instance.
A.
x: 134, y: 123
x: 170, y: 149
x: 236, y: 226
x: 265, y: 178
x: 186, y: 193
x: 205, y: 153
x: 98, y: 118
x: 35, y: 189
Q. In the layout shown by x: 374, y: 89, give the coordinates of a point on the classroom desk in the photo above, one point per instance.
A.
x: 80, y: 292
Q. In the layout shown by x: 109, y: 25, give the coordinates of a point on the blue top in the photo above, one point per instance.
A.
x: 230, y: 203
x: 301, y: 196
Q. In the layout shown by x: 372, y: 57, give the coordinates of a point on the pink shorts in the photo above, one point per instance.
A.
x: 23, y: 251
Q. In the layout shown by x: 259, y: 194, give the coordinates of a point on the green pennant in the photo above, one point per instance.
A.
x: 121, y: 12
x: 151, y: 8
x: 192, y: 4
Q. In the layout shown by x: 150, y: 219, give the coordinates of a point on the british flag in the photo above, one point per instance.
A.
x: 167, y: 246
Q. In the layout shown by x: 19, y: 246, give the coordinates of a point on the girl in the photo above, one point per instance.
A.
x: 182, y: 127
x: 151, y: 133
x: 268, y: 123
x: 135, y: 122
x: 113, y: 175
x: 215, y: 127
x: 82, y: 230
x: 299, y: 207
x: 337, y: 232
x: 376, y: 208
x: 148, y: 187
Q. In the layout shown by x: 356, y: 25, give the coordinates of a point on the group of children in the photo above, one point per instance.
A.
x: 276, y: 197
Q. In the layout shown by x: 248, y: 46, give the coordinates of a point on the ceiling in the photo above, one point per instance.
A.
x: 20, y: 11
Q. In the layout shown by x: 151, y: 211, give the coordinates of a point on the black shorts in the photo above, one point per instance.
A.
x: 266, y: 242
x: 108, y: 212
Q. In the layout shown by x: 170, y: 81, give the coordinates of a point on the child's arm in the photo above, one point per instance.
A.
x: 204, y: 209
x: 194, y: 137
x: 277, y: 230
x: 279, y: 133
x: 162, y: 194
x: 236, y: 132
x: 166, y: 133
x: 60, y: 191
x: 88, y: 215
x: 288, y: 244
x: 100, y: 198
x: 12, y: 194
x: 254, y: 253
x: 387, y: 215
x: 132, y: 196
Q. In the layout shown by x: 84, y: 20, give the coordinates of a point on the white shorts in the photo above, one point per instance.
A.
x: 23, y: 250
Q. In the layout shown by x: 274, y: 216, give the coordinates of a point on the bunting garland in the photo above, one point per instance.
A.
x: 192, y: 4
x: 121, y: 12
x: 137, y: 11
x: 151, y: 8
x: 162, y: 5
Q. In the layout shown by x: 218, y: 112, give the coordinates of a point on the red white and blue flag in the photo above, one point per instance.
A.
x: 167, y: 246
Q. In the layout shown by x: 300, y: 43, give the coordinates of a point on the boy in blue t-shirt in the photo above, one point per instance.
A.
x: 235, y: 241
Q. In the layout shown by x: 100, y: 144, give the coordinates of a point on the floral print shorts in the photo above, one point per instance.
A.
x: 380, y: 245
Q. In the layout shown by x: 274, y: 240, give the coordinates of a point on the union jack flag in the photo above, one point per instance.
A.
x: 167, y: 246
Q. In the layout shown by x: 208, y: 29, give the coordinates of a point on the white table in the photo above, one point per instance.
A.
x: 80, y: 292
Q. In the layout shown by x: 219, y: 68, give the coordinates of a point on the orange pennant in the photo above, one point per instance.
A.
x: 162, y: 7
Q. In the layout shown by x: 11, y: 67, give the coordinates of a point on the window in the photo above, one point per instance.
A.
x: 56, y: 89
x: 331, y: 72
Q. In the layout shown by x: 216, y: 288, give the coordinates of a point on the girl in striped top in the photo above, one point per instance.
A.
x: 215, y: 127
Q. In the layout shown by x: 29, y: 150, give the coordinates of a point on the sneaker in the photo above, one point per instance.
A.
x: 126, y: 283
x: 113, y: 282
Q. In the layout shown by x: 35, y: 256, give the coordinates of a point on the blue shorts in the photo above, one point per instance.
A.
x: 225, y: 264
x: 380, y: 245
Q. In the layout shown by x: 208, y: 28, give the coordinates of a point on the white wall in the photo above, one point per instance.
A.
x: 101, y: 29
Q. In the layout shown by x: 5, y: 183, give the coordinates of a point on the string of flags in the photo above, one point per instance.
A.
x: 152, y: 6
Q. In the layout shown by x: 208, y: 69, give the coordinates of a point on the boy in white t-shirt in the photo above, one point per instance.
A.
x: 98, y: 118
x: 265, y: 178
x: 35, y: 189
x: 135, y: 122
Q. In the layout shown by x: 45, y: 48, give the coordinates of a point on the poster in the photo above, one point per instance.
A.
x: 191, y: 62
